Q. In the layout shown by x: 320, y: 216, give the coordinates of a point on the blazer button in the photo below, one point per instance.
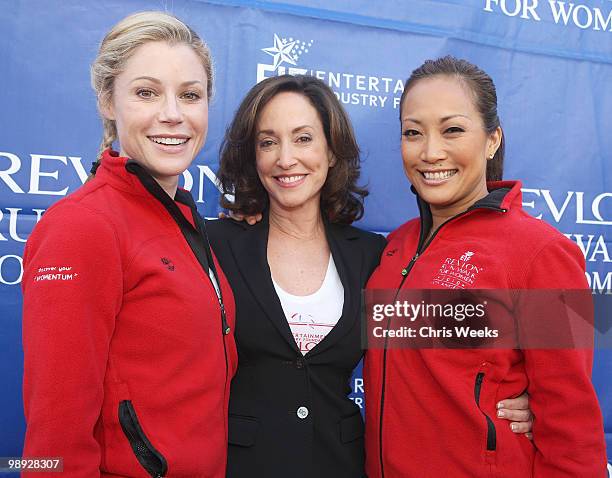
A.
x: 302, y: 412
x: 299, y: 363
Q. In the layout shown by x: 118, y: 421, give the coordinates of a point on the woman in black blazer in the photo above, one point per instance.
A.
x: 290, y: 154
x: 289, y: 413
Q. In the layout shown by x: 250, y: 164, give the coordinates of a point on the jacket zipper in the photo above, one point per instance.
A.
x: 491, y: 432
x: 421, y: 247
x: 155, y: 190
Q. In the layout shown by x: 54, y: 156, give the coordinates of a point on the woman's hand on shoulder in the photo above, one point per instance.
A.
x: 236, y: 216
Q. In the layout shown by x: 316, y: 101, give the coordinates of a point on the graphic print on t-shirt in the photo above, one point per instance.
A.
x: 311, y: 317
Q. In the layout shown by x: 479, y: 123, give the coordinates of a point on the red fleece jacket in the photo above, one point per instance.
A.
x: 435, y: 410
x: 127, y: 370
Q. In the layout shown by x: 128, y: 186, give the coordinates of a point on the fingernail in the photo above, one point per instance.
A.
x: 500, y: 405
x: 500, y: 413
x: 514, y: 426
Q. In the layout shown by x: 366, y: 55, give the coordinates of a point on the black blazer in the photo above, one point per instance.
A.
x: 289, y: 414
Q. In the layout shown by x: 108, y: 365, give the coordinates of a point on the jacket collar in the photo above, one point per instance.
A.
x: 250, y: 251
x: 120, y: 173
x: 503, y: 196
x: 112, y: 170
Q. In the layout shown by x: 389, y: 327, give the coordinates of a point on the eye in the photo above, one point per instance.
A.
x: 145, y: 93
x: 265, y: 143
x: 192, y: 95
x: 410, y: 132
x: 454, y: 129
x: 304, y: 139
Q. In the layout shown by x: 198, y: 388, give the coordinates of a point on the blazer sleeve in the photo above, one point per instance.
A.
x: 568, y: 427
x: 72, y: 288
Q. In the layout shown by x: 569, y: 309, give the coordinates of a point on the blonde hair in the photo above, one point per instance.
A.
x: 121, y: 42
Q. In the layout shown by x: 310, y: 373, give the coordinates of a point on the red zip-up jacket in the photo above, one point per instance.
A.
x: 127, y: 359
x: 432, y: 413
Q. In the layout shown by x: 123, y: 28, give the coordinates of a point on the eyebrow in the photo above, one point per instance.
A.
x: 442, y: 120
x: 294, y: 130
x: 157, y: 81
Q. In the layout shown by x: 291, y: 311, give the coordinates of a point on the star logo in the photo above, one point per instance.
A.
x: 281, y: 52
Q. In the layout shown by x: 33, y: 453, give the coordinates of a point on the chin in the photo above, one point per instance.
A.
x: 434, y: 198
x: 289, y: 203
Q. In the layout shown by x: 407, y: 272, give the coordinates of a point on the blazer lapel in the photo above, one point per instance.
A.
x: 250, y: 251
x: 344, y: 246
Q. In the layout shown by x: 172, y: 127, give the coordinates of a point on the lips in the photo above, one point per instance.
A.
x: 169, y: 140
x: 438, y: 177
x: 170, y: 144
x: 290, y: 181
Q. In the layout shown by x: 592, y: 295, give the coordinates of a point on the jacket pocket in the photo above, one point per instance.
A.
x: 146, y: 454
x: 491, y: 432
x: 351, y: 428
x: 242, y: 431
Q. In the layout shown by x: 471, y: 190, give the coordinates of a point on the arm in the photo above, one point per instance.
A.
x: 68, y: 321
x: 567, y: 444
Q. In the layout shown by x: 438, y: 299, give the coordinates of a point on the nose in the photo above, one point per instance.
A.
x: 170, y: 110
x: 433, y: 149
x: 286, y: 159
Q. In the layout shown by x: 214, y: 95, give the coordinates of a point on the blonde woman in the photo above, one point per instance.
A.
x: 128, y: 320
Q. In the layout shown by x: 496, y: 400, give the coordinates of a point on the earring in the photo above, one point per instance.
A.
x: 491, y: 155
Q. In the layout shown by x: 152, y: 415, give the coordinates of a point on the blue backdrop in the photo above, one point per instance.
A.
x: 551, y: 60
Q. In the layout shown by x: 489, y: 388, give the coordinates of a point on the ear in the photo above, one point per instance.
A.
x: 493, y: 142
x: 105, y: 105
x: 331, y: 159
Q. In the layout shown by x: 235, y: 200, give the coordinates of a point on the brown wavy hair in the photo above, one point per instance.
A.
x: 485, y: 98
x: 341, y: 197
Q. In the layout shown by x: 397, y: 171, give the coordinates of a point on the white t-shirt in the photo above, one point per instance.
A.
x: 311, y: 317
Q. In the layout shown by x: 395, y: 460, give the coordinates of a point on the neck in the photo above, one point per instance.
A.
x: 303, y: 223
x: 440, y: 215
x: 170, y: 185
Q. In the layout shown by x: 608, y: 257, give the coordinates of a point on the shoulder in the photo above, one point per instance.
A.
x: 73, y: 217
x: 221, y: 232
x: 85, y: 220
x: 352, y: 232
x: 71, y: 232
x: 223, y: 229
x: 406, y: 229
x: 370, y: 242
x: 541, y: 256
x: 525, y: 231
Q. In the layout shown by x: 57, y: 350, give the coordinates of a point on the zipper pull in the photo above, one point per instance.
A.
x: 412, y: 261
x: 224, y: 325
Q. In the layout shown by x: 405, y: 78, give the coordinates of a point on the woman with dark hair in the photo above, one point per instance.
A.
x: 290, y: 154
x: 433, y: 412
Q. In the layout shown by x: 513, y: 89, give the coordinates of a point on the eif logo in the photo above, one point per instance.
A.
x: 286, y: 51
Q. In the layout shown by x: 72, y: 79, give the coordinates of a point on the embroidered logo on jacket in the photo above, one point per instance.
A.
x: 458, y: 273
x: 168, y: 263
x: 55, y: 273
x: 467, y: 255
